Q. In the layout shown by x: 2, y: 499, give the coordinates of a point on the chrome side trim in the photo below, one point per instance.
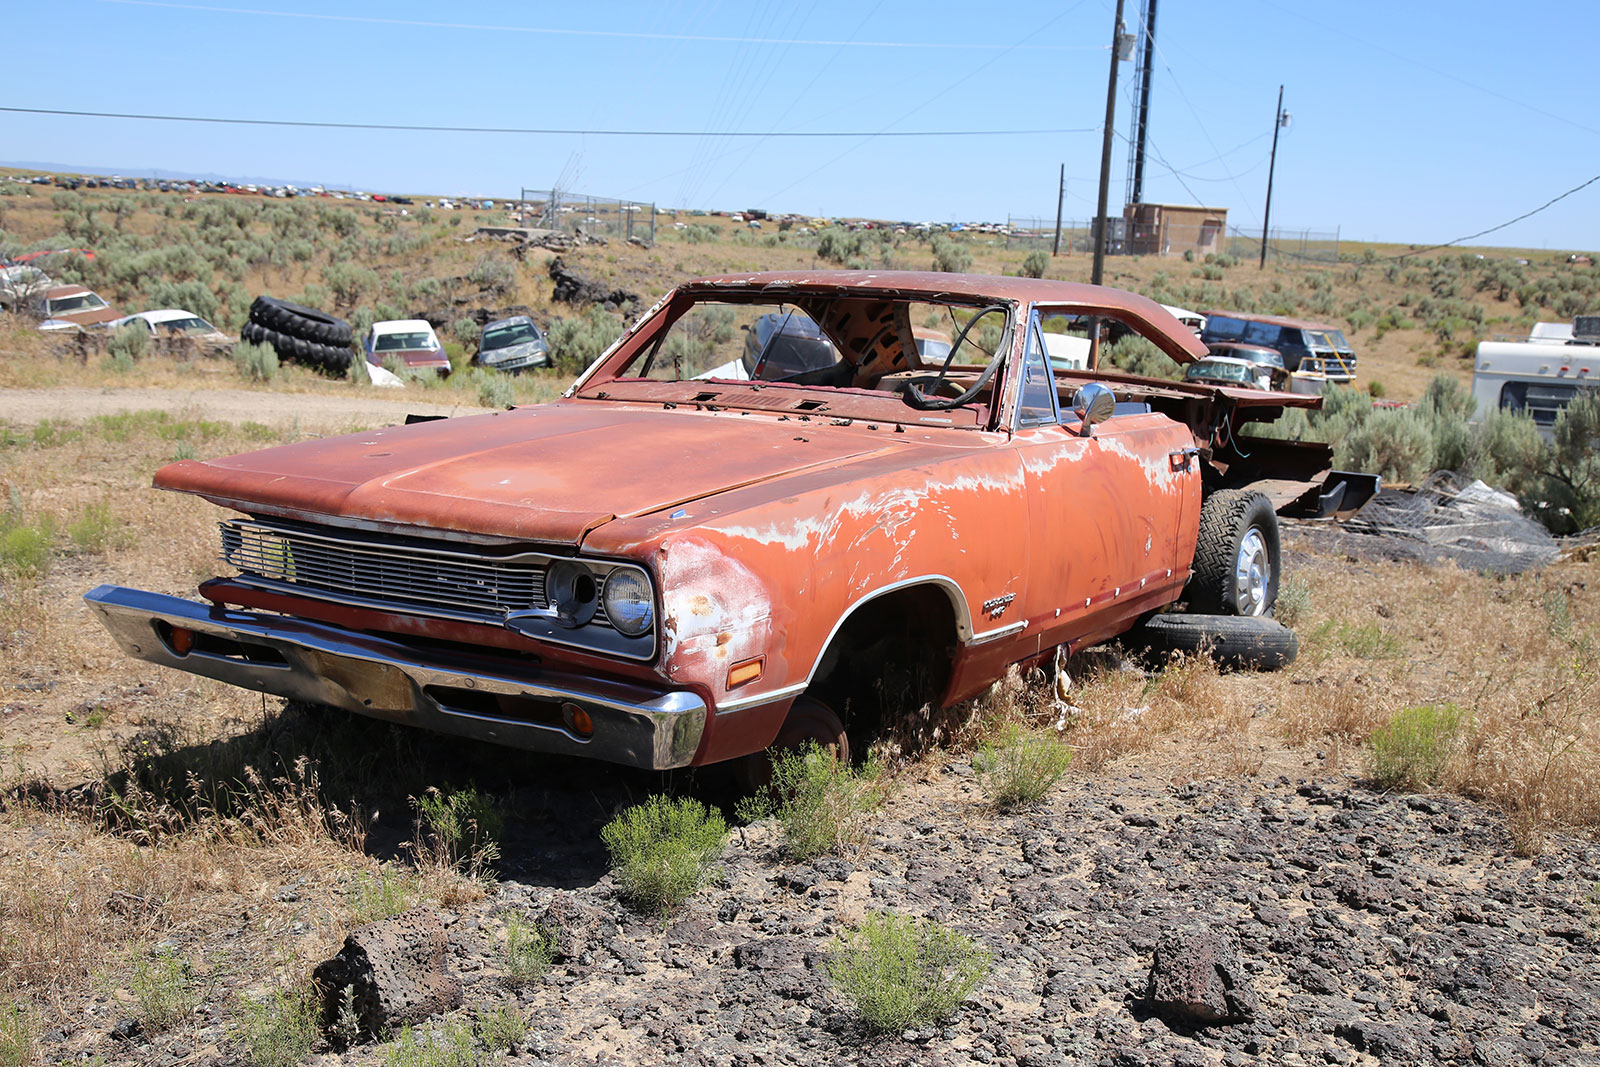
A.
x: 633, y: 724
x: 772, y: 697
x: 995, y: 635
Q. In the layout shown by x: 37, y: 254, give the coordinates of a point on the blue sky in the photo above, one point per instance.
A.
x: 1419, y: 122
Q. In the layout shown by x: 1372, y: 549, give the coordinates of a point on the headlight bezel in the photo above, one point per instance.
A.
x: 572, y: 590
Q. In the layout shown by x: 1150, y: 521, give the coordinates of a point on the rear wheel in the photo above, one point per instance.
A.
x: 1236, y: 556
x: 809, y: 719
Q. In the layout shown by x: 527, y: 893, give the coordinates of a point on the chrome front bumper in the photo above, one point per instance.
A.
x: 373, y: 676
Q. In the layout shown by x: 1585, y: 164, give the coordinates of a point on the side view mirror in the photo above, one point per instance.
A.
x: 1093, y: 403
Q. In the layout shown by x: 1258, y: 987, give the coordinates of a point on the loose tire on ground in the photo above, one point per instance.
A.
x: 809, y: 719
x: 1236, y: 557
x: 295, y: 320
x: 297, y: 349
x: 1233, y: 641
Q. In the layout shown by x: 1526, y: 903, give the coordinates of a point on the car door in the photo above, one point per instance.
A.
x: 1107, y: 512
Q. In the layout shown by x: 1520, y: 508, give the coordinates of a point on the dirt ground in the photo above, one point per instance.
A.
x: 232, y: 405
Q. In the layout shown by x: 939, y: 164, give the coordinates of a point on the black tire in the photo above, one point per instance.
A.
x: 327, y: 358
x: 295, y: 320
x: 1236, y: 557
x: 1232, y: 641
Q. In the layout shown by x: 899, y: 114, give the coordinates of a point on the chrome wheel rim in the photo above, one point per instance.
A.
x: 1252, y: 574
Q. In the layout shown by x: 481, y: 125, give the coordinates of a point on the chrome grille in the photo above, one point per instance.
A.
x: 406, y: 575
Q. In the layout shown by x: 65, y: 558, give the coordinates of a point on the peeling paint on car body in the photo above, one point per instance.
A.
x: 773, y: 516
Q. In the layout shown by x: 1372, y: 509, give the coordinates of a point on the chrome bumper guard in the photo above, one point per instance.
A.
x: 384, y: 679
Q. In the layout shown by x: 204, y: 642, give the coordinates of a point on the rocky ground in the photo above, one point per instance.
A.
x: 1368, y: 929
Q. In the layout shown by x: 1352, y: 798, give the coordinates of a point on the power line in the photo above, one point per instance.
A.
x: 1503, y: 225
x: 402, y: 128
x: 962, y: 43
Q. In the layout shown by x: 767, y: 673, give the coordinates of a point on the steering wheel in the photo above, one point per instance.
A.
x: 922, y: 401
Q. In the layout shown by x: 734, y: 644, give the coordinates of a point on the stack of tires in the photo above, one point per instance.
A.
x: 300, y: 334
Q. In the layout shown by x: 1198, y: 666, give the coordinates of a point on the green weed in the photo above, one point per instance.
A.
x: 1364, y: 641
x: 17, y: 1043
x: 1021, y: 766
x: 822, y: 804
x: 1412, y: 750
x: 500, y: 1029
x: 279, y: 1029
x: 526, y: 955
x: 165, y: 987
x: 382, y: 895
x: 462, y: 827
x: 255, y: 363
x: 662, y: 850
x: 96, y: 530
x: 1294, y: 601
x: 900, y: 972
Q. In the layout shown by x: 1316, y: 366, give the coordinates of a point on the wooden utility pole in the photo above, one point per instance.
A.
x: 1266, y: 213
x: 1101, y: 236
x: 1061, y: 194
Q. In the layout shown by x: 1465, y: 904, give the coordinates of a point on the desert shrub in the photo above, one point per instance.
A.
x: 466, y: 331
x: 349, y: 283
x: 1020, y: 766
x: 493, y: 274
x: 165, y: 989
x: 1570, y: 483
x: 453, y: 1044
x: 1412, y: 749
x: 17, y: 1043
x: 495, y: 389
x: 1396, y: 443
x: 255, y: 363
x: 383, y: 894
x: 898, y: 972
x: 577, y: 342
x: 1138, y: 355
x: 950, y: 255
x: 96, y: 529
x: 836, y: 245
x: 662, y: 850
x: 1509, y: 448
x: 1361, y: 640
x: 697, y: 234
x: 1035, y: 265
x: 1376, y: 389
x: 499, y: 1029
x: 128, y: 343
x: 25, y: 548
x: 821, y: 803
x: 1294, y: 601
x: 279, y: 1029
x: 527, y: 952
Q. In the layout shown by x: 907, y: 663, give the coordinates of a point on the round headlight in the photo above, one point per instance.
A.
x: 628, y: 603
x: 572, y: 592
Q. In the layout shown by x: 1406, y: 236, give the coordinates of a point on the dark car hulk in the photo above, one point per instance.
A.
x: 683, y: 561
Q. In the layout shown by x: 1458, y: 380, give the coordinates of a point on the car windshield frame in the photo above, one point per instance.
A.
x: 405, y: 341
x: 520, y: 333
x: 1213, y: 368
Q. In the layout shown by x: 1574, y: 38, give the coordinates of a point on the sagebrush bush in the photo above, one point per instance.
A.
x: 577, y: 342
x: 1138, y: 355
x: 255, y: 363
x: 662, y: 850
x: 1294, y: 601
x: 1020, y: 766
x: 898, y: 972
x: 950, y: 255
x: 1412, y: 750
x: 164, y: 987
x: 822, y: 804
x: 1395, y: 443
x: 1036, y: 263
x: 837, y: 245
x: 128, y: 343
x: 279, y: 1029
x: 527, y: 952
x: 495, y: 389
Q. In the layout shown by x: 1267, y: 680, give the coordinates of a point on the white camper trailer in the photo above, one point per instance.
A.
x: 1539, y: 376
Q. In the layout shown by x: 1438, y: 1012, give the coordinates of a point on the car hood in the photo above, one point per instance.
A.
x: 549, y: 473
x: 516, y: 351
x: 88, y: 318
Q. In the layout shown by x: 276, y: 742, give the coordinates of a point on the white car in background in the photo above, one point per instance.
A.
x: 19, y: 283
x: 175, y: 322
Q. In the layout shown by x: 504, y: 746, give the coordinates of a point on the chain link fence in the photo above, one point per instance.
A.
x: 1286, y: 246
x: 597, y: 216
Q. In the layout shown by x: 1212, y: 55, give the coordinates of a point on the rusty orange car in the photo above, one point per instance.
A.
x: 708, y: 546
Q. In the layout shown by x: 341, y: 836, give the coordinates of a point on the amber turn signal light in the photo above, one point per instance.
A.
x: 181, y: 640
x: 577, y: 720
x: 748, y: 671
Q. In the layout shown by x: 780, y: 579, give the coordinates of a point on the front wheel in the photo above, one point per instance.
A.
x: 809, y: 719
x: 1236, y: 556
